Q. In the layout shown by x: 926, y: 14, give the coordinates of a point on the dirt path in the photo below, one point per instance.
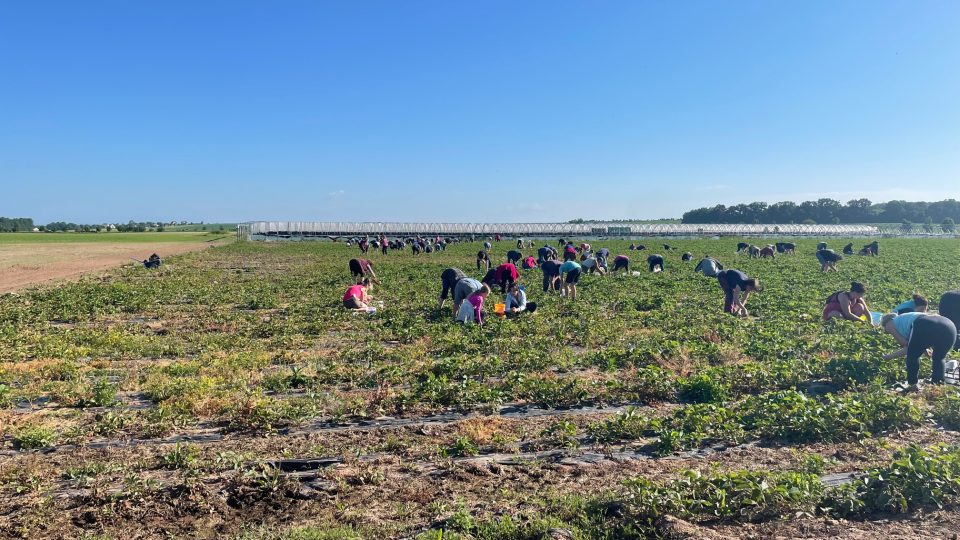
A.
x: 23, y: 265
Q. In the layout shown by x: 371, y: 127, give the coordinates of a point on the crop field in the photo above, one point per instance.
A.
x: 229, y: 395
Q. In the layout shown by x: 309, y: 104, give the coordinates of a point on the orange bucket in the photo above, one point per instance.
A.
x: 500, y: 309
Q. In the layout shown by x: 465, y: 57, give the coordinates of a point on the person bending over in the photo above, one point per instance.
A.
x: 737, y: 288
x: 363, y: 268
x: 917, y: 332
x: 483, y: 260
x: 551, y: 274
x: 916, y: 304
x: 655, y: 262
x: 573, y: 270
x: 709, y: 267
x: 950, y: 308
x: 506, y: 275
x: 590, y: 266
x: 464, y: 289
x: 621, y: 262
x: 448, y: 283
x: 828, y: 259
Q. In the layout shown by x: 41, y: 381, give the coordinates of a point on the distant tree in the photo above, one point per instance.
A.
x: 835, y: 220
x: 857, y: 211
x: 160, y: 228
x: 948, y: 225
x: 16, y: 224
x: 827, y: 210
x: 928, y: 225
x: 808, y: 221
x: 906, y: 226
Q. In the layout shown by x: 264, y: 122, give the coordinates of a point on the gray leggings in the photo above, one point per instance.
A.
x: 933, y: 331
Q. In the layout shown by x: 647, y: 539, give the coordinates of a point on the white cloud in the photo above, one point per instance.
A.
x: 337, y: 194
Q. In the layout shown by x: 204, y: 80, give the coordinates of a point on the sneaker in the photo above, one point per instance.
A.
x: 913, y: 388
x: 906, y: 388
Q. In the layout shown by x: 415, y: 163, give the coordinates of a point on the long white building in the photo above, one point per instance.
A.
x: 296, y: 230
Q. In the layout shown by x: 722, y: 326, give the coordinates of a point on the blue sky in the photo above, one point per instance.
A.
x: 470, y: 111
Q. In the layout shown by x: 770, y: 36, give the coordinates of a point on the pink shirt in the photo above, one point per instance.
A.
x: 476, y: 301
x: 509, y: 269
x: 356, y: 290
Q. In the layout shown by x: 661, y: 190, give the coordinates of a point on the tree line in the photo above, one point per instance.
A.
x: 15, y: 224
x: 826, y: 211
x: 27, y: 225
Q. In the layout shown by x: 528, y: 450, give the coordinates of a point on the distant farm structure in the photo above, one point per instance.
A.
x: 311, y: 230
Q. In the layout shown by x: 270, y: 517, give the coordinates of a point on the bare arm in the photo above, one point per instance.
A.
x: 845, y: 309
x: 738, y: 301
x: 902, y: 351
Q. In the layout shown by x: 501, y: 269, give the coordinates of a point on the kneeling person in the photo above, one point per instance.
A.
x: 516, y: 302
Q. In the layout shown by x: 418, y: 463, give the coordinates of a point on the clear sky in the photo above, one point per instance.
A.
x: 470, y: 111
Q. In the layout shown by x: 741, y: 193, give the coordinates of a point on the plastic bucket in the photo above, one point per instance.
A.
x: 875, y: 317
x: 499, y: 309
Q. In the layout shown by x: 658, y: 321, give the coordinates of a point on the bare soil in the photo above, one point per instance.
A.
x: 23, y: 265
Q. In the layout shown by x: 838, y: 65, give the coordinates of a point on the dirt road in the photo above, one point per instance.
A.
x: 23, y: 265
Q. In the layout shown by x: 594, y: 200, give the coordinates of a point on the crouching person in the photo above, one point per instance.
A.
x: 357, y: 296
x: 516, y: 302
x: 471, y: 311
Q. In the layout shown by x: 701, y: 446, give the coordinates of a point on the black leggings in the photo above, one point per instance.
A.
x: 548, y: 281
x: 950, y: 308
x: 933, y: 331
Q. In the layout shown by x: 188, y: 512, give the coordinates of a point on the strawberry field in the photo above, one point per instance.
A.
x: 229, y: 395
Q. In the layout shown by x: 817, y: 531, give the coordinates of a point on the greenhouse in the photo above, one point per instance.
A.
x: 297, y: 230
